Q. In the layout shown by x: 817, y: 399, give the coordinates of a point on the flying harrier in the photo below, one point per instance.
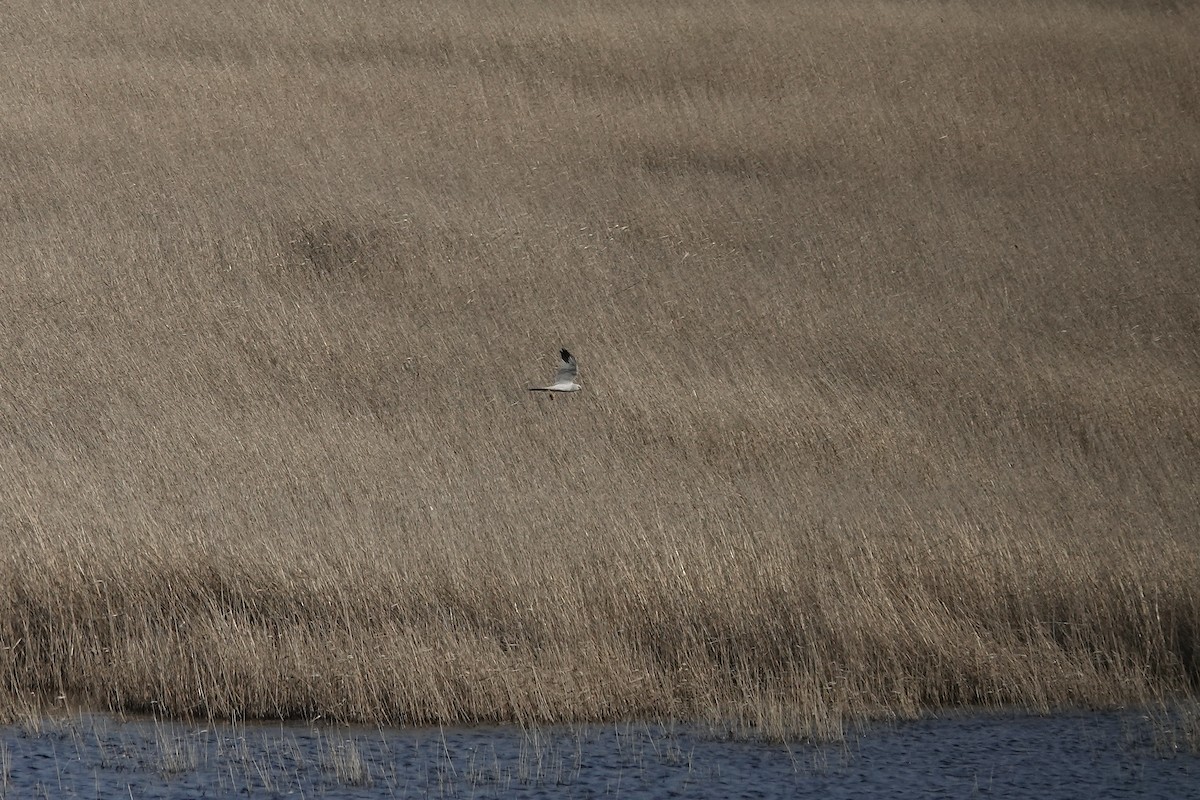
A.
x: 564, y: 381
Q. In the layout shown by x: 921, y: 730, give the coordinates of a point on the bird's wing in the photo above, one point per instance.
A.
x: 567, y: 368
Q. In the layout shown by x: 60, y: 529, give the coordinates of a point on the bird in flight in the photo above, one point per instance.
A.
x: 564, y: 380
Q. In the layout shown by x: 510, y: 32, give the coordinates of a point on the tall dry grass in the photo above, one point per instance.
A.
x: 887, y: 314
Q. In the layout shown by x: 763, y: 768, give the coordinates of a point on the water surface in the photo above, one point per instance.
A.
x: 1063, y: 756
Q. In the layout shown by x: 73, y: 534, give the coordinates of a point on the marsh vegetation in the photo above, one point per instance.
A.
x: 914, y: 285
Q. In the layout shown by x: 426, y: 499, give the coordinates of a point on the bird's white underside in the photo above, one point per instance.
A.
x: 559, y: 387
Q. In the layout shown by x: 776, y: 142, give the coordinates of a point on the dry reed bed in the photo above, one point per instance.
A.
x: 887, y: 316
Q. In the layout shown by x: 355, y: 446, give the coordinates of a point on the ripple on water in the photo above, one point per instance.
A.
x: 1056, y: 757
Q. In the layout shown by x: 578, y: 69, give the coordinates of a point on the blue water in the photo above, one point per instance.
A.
x: 1096, y: 755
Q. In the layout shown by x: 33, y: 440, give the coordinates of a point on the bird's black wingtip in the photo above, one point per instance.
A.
x: 566, y: 354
